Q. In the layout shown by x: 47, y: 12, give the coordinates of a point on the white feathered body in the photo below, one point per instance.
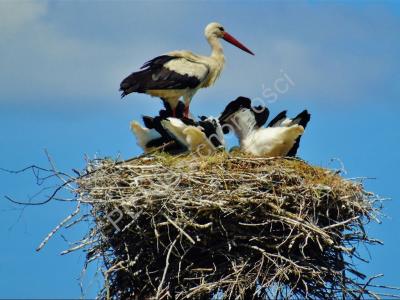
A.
x: 271, y: 141
x: 191, y: 136
x: 143, y: 135
x: 206, y: 69
x: 266, y: 141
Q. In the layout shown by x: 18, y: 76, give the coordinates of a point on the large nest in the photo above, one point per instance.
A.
x: 187, y: 227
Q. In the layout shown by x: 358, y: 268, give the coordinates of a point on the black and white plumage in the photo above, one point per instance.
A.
x: 202, y: 137
x: 258, y: 114
x: 178, y: 135
x: 153, y: 135
x: 144, y: 136
x: 158, y: 74
x: 280, y: 138
x: 179, y: 74
x: 301, y: 119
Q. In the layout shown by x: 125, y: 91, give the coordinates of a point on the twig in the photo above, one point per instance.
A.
x: 179, y: 229
x: 63, y: 222
x: 159, y: 289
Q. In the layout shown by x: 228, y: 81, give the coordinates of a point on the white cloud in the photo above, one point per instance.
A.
x: 37, y: 61
x: 17, y: 15
x: 41, y: 62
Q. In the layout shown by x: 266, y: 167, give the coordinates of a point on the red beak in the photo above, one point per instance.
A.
x: 227, y: 37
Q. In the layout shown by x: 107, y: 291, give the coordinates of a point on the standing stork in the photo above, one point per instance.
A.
x: 179, y: 74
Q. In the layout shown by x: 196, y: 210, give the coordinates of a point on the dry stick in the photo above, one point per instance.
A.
x: 293, y: 219
x: 58, y: 227
x: 180, y: 229
x: 80, y: 246
x: 159, y: 289
x: 59, y: 188
x: 80, y: 219
x: 385, y: 287
x: 341, y: 223
x: 56, y: 172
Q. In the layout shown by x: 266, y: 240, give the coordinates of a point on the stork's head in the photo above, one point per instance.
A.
x: 216, y: 30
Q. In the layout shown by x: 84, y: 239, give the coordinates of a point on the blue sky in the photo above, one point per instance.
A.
x: 60, y: 67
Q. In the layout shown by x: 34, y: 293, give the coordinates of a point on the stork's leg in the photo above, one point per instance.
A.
x: 170, y: 105
x: 187, y: 100
x: 186, y: 112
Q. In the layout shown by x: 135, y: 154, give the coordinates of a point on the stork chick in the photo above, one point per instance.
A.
x: 280, y: 138
x: 153, y: 135
x: 203, y: 137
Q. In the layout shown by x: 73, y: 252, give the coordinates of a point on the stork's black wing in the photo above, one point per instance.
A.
x: 233, y: 107
x: 277, y: 121
x: 302, y: 119
x: 261, y: 113
x: 164, y: 73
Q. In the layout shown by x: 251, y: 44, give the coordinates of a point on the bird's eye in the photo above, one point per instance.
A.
x: 221, y: 28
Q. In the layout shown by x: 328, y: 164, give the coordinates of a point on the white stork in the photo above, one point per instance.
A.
x: 280, y: 138
x: 179, y: 74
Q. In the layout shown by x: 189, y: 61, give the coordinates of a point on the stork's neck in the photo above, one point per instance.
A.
x: 216, y: 48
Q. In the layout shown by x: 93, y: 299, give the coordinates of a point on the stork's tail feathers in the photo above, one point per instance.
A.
x: 135, y: 83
